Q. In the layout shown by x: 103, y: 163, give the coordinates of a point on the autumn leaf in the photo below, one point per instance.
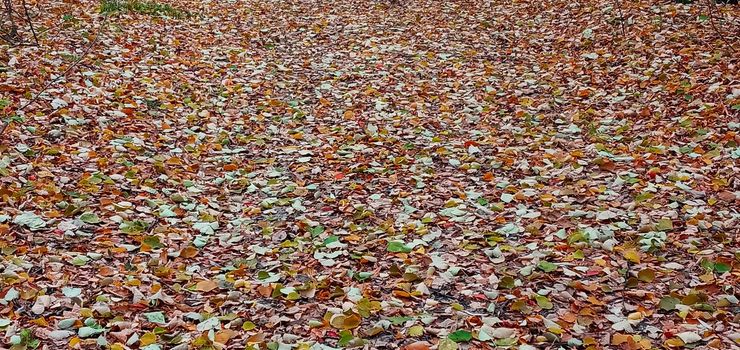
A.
x: 668, y: 303
x: 206, y: 286
x: 632, y: 255
x: 646, y: 275
x: 374, y: 174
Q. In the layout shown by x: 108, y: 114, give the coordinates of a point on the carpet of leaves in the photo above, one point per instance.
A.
x: 334, y: 174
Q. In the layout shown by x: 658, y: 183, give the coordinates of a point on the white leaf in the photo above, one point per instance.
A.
x: 507, y: 197
x: 11, y: 294
x: 206, y: 228
x: 673, y: 266
x: 85, y: 332
x: 59, y: 334
x: 58, y: 103
x: 623, y: 325
x: 71, y: 292
x: 211, y: 323
x: 606, y: 215
x: 41, y: 304
x: 689, y: 337
x: 30, y: 220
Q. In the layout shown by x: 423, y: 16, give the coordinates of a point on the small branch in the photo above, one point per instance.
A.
x: 63, y: 74
x: 712, y: 7
x: 30, y: 23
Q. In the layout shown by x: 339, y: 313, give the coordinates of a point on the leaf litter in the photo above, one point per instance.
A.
x: 422, y: 174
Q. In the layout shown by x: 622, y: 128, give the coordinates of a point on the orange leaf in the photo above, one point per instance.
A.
x: 224, y: 336
x: 419, y: 345
x: 206, y: 286
x: 188, y: 252
x: 619, y: 338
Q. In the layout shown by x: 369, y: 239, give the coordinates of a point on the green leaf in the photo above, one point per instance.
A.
x: 578, y: 254
x: 668, y: 303
x: 345, y: 337
x: 722, y: 267
x: 547, y: 266
x: 155, y: 317
x: 643, y: 197
x: 362, y: 275
x: 89, y: 218
x: 316, y: 230
x: 248, y: 326
x: 460, y: 336
x: 543, y: 302
x: 506, y: 282
x: 133, y: 227
x: 396, y: 320
x: 153, y: 241
x: 664, y: 225
x: 398, y: 247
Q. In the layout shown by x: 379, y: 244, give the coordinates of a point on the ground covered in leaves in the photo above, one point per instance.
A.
x: 337, y: 174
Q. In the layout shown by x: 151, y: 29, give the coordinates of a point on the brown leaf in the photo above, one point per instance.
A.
x: 419, y: 345
x: 206, y: 286
x: 646, y: 275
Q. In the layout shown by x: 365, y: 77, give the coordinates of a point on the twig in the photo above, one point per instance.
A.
x: 30, y: 23
x: 712, y: 6
x: 63, y: 74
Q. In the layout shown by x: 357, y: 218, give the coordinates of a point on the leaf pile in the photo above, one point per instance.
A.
x: 423, y: 174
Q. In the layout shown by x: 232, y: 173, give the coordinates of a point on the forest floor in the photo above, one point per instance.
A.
x: 334, y: 174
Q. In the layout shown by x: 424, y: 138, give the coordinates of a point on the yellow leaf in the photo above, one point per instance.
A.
x: 248, y: 326
x: 74, y: 342
x: 416, y: 331
x: 147, y: 338
x: 85, y: 312
x: 674, y: 343
x: 632, y: 255
x: 645, y: 344
x: 41, y: 322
